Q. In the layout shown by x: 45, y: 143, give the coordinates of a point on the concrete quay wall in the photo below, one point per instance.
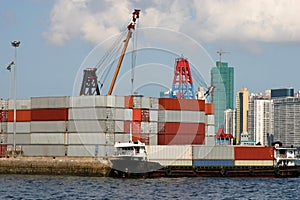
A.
x: 55, y: 166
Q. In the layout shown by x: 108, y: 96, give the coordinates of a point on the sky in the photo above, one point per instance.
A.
x: 60, y: 38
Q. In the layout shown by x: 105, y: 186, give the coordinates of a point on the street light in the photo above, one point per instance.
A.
x: 15, y: 44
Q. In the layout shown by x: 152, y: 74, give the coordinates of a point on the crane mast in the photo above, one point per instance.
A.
x: 131, y: 26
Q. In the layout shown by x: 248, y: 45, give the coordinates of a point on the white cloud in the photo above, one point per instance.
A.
x: 206, y: 20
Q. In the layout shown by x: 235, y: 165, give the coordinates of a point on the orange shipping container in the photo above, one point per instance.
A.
x: 177, y: 127
x: 137, y: 114
x: 209, y: 109
x: 22, y: 116
x: 253, y: 153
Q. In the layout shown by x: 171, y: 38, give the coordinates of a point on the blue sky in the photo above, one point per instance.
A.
x: 60, y: 38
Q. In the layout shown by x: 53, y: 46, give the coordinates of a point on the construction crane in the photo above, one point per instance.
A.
x: 89, y: 84
x: 220, y: 52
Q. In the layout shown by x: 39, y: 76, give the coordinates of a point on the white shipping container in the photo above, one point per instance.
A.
x: 86, y: 138
x: 49, y: 102
x: 128, y: 114
x: 85, y: 101
x: 110, y: 101
x: 119, y: 127
x: 154, y: 103
x: 173, y: 152
x: 210, y: 119
x: 182, y: 116
x: 145, y: 127
x: 213, y: 152
x: 47, y: 138
x: 120, y: 101
x: 44, y: 150
x: 22, y: 104
x: 122, y: 137
x: 153, y: 140
x: 171, y: 162
x: 253, y: 163
x: 145, y: 102
x: 210, y: 140
x: 90, y: 150
x: 20, y: 139
x: 48, y: 126
x: 210, y: 130
x: 110, y: 138
x: 153, y: 115
x: 91, y: 113
x: 153, y: 127
x: 119, y: 114
x: 137, y: 102
x: 87, y: 126
x: 21, y: 127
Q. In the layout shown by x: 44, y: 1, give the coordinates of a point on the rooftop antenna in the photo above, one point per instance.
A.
x: 220, y: 52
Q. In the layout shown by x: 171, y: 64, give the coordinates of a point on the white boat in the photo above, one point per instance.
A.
x: 130, y: 159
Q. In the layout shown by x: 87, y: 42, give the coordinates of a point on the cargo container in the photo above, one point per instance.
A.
x: 89, y: 150
x: 181, y: 104
x: 53, y: 114
x: 177, y: 127
x: 87, y: 101
x: 210, y: 119
x: 173, y: 152
x: 21, y: 115
x: 93, y: 113
x: 3, y: 149
x: 90, y: 126
x: 170, y: 162
x: 181, y: 116
x: 48, y: 126
x: 180, y: 139
x: 48, y: 138
x: 120, y: 102
x: 21, y: 127
x: 254, y: 163
x: 49, y: 102
x: 213, y: 152
x: 253, y: 153
x: 22, y: 104
x: 20, y: 138
x: 209, y: 109
x: 44, y: 150
x: 86, y: 138
x: 213, y: 163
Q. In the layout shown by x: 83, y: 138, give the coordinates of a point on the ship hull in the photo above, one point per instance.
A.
x: 189, y: 171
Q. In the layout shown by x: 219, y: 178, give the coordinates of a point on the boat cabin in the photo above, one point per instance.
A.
x: 131, y: 150
x: 285, y: 156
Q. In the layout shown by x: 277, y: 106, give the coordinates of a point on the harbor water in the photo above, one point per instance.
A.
x: 72, y: 187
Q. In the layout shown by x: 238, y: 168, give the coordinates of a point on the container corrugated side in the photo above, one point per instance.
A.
x: 49, y: 102
x: 153, y: 140
x: 210, y: 130
x: 153, y: 114
x: 120, y: 101
x: 213, y: 152
x: 128, y: 114
x: 180, y: 139
x: 173, y: 152
x: 48, y: 138
x: 119, y: 127
x: 49, y: 114
x: 154, y: 103
x: 182, y: 116
x: 122, y: 137
x: 92, y: 113
x: 90, y: 126
x: 86, y: 138
x: 90, y: 150
x: 22, y: 104
x: 170, y: 162
x: 253, y: 153
x: 210, y: 119
x: 254, y: 163
x: 86, y: 101
x: 213, y: 163
x: 20, y: 139
x: 48, y: 126
x: 21, y: 127
x: 44, y: 150
x: 21, y: 116
x: 145, y: 102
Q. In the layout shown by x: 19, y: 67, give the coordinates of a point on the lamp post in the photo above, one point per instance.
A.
x: 15, y: 44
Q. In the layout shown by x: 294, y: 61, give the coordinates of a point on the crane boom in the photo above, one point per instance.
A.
x: 135, y: 15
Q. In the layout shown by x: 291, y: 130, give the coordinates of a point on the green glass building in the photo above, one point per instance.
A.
x: 222, y: 78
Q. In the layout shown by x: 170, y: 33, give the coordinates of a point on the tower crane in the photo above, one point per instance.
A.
x: 220, y: 52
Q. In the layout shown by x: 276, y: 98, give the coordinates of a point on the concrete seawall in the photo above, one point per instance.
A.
x: 55, y: 166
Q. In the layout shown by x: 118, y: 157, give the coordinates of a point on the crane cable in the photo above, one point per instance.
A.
x: 133, y: 57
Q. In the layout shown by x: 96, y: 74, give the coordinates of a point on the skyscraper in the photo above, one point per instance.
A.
x: 222, y: 78
x: 242, y: 107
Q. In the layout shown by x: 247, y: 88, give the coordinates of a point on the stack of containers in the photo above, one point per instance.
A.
x: 181, y: 121
x: 91, y: 125
x: 170, y: 155
x: 253, y: 156
x: 213, y: 156
x: 23, y: 118
x: 210, y: 125
x: 48, y: 127
x: 122, y: 133
x: 143, y: 125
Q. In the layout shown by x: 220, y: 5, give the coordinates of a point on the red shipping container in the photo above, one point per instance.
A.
x: 181, y: 104
x: 128, y: 101
x: 22, y: 116
x: 136, y: 137
x: 3, y: 149
x: 253, y: 153
x: 166, y: 139
x: 56, y: 114
x: 177, y: 127
x: 145, y: 138
x: 137, y: 114
x: 209, y: 109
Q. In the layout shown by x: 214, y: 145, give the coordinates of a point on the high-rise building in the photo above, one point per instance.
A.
x: 241, y: 113
x: 260, y: 119
x: 222, y: 78
x: 286, y: 116
x: 229, y: 122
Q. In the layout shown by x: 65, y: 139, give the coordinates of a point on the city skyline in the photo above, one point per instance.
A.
x: 57, y: 36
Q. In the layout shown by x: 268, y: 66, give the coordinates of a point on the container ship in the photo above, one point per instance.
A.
x: 141, y: 136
